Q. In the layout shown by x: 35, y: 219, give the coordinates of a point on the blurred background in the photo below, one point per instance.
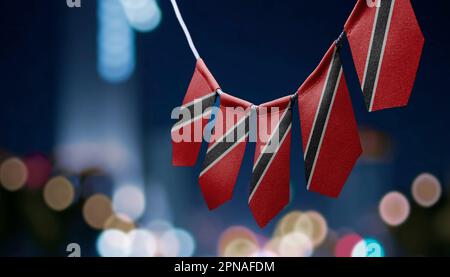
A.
x: 85, y: 153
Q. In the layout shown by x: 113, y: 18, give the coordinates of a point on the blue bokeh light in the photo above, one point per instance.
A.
x: 115, y: 41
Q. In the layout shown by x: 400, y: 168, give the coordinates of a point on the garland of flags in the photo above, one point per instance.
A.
x: 386, y: 44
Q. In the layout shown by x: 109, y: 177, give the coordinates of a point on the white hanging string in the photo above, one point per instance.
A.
x: 185, y: 29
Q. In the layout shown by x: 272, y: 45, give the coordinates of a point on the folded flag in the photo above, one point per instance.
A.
x: 330, y: 137
x: 386, y: 44
x: 269, y: 191
x: 187, y: 133
x: 225, y: 151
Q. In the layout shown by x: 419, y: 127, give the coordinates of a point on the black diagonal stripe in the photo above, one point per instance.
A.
x: 219, y: 148
x: 375, y: 55
x: 206, y: 103
x: 265, y: 159
x: 323, y: 110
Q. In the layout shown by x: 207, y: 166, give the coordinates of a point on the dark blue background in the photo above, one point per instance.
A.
x: 258, y: 50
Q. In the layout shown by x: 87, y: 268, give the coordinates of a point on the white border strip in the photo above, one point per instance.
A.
x: 311, y: 175
x: 320, y: 102
x: 276, y: 129
x: 223, y: 155
x: 386, y: 34
x: 269, y: 164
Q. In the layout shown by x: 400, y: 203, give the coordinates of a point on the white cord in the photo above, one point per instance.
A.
x: 185, y: 29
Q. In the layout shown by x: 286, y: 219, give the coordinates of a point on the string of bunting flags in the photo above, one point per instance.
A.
x: 386, y: 44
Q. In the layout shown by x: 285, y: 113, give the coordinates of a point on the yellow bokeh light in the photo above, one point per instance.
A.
x: 97, y: 210
x: 273, y: 245
x: 119, y: 222
x: 311, y: 223
x: 233, y: 233
x: 287, y: 224
x: 240, y: 248
x: 59, y: 193
x: 13, y: 174
x: 317, y: 227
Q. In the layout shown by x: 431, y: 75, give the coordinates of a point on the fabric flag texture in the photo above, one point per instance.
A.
x: 200, y: 96
x: 386, y: 44
x: 329, y: 132
x: 226, y: 150
x: 269, y: 191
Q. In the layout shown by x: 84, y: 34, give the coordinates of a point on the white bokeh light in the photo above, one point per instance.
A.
x: 177, y: 243
x: 186, y: 242
x: 360, y: 250
x: 142, y: 15
x: 142, y: 243
x: 296, y: 244
x: 113, y: 243
x: 129, y: 200
x: 368, y: 248
x: 169, y: 245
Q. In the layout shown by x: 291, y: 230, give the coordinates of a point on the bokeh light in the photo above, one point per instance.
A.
x: 97, y: 210
x: 344, y: 246
x: 177, y: 243
x: 59, y: 193
x: 39, y: 169
x: 159, y: 227
x: 304, y: 225
x: 116, y: 45
x: 187, y: 243
x: 120, y: 222
x: 375, y: 144
x: 287, y: 223
x: 272, y: 246
x: 319, y: 227
x: 142, y: 15
x: 113, y: 243
x: 240, y: 247
x: 311, y: 224
x: 233, y: 233
x: 368, y: 248
x: 426, y: 190
x: 13, y: 174
x: 169, y: 245
x: 264, y: 254
x: 129, y: 200
x: 394, y: 208
x: 82, y: 155
x: 143, y: 243
x: 296, y: 244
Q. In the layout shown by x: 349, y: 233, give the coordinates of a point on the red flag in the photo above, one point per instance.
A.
x: 269, y: 192
x: 226, y: 150
x: 330, y: 137
x: 200, y: 96
x: 386, y: 44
